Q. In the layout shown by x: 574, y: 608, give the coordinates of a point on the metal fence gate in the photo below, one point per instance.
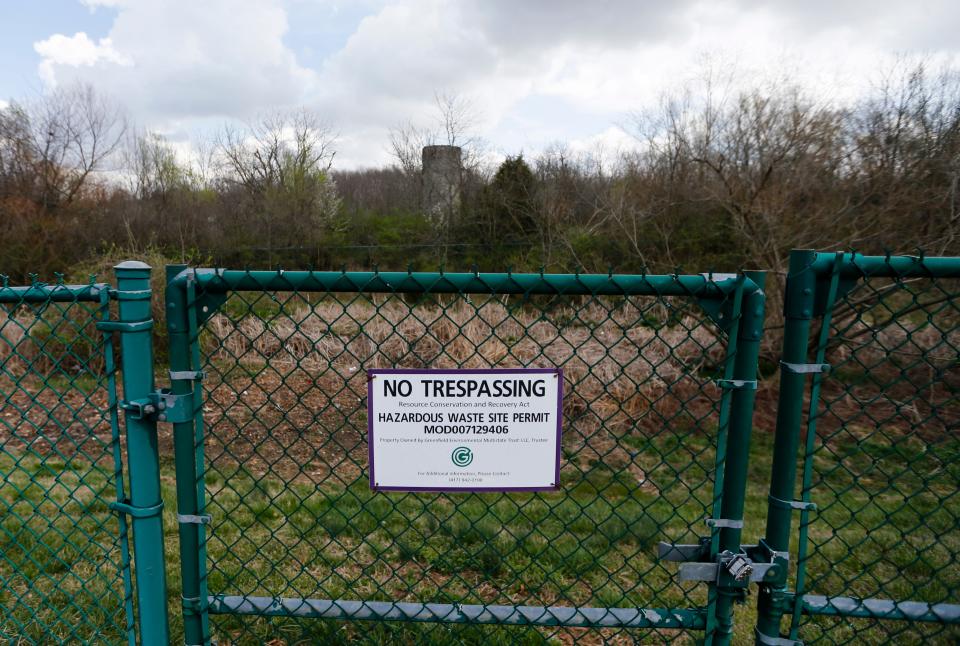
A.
x: 660, y: 487
x: 65, y: 567
x: 877, y: 338
x: 277, y: 518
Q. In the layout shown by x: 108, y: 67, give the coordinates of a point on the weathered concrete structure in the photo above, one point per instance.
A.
x: 442, y: 179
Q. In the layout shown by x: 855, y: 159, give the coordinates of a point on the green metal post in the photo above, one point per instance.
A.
x: 749, y: 336
x: 145, y: 507
x: 195, y: 613
x: 798, y: 312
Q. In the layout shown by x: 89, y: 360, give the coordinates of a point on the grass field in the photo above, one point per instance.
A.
x: 291, y: 540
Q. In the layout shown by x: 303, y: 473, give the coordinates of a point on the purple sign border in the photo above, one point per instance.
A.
x: 373, y: 372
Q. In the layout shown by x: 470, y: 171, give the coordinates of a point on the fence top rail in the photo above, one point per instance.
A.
x: 702, y: 286
x: 56, y: 293
x: 855, y: 265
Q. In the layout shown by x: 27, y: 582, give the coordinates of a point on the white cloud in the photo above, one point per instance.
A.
x: 75, y: 51
x: 605, y: 63
x: 183, y: 59
x: 585, y: 66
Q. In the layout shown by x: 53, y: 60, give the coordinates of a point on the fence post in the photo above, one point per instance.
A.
x: 745, y: 365
x: 189, y: 479
x: 145, y: 506
x: 799, y: 298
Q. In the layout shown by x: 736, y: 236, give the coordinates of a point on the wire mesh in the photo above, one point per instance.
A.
x: 64, y: 564
x: 286, y: 479
x: 883, y: 465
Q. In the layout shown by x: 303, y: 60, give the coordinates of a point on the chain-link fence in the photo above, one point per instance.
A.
x: 879, y: 550
x: 279, y: 528
x: 64, y: 562
x: 295, y: 530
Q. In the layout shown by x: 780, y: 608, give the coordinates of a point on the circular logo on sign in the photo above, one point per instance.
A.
x: 461, y: 456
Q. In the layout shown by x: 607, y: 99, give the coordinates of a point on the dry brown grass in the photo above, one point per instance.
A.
x: 288, y: 392
x: 52, y: 383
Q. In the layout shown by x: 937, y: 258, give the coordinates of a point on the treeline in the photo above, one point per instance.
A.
x: 718, y: 180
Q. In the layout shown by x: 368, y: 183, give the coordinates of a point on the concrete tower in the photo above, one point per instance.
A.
x: 442, y: 177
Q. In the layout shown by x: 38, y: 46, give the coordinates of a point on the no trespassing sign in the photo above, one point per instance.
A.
x: 465, y: 430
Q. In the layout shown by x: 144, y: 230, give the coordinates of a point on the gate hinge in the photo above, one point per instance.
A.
x: 161, y: 405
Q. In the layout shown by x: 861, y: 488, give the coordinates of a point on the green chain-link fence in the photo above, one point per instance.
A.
x: 64, y: 562
x: 874, y: 342
x: 284, y: 512
x: 278, y: 527
x: 66, y: 573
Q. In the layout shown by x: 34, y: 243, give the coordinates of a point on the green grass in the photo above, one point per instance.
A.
x: 58, y: 546
x: 594, y: 544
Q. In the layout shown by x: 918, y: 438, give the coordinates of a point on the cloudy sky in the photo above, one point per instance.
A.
x: 537, y: 71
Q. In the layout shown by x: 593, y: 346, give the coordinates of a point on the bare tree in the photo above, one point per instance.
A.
x: 905, y: 158
x: 168, y: 192
x: 51, y: 148
x: 282, y: 162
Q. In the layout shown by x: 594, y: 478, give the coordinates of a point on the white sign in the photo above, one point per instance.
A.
x: 464, y: 430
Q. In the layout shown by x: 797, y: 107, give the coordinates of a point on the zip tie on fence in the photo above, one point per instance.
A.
x: 136, y: 512
x: 194, y: 519
x: 792, y: 504
x: 187, y: 375
x: 775, y: 641
x: 724, y: 523
x: 737, y: 384
x: 806, y: 368
x: 125, y: 326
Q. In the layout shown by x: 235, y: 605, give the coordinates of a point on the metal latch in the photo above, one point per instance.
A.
x: 139, y: 408
x: 739, y: 567
x: 162, y: 405
x: 752, y: 563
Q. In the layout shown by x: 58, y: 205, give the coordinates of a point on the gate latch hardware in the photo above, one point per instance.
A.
x: 752, y: 563
x: 739, y: 567
x: 139, y: 408
x: 161, y: 405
